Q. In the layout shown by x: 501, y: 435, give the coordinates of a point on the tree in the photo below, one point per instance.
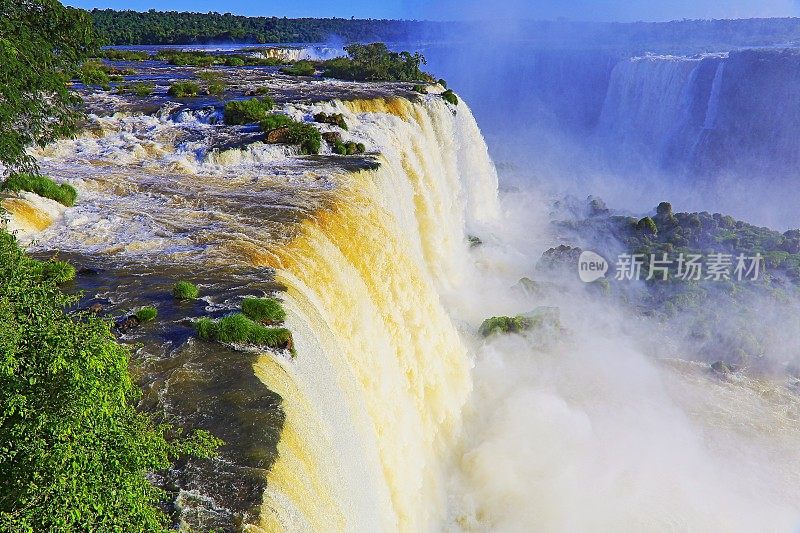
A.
x: 41, y: 45
x: 74, y: 451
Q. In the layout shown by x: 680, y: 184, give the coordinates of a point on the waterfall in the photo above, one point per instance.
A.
x: 713, y: 99
x: 374, y: 397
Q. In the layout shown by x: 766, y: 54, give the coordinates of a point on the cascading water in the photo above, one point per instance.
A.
x: 376, y: 397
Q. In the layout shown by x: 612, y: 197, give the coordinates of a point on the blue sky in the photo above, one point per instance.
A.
x: 618, y: 10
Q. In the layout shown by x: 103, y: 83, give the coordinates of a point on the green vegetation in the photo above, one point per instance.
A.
x: 541, y: 317
x: 185, y: 290
x: 215, y: 83
x: 183, y: 89
x: 196, y: 58
x: 57, y: 271
x: 300, y: 68
x: 441, y: 82
x: 237, y: 328
x: 268, y: 310
x: 125, y: 55
x: 450, y: 97
x: 247, y: 111
x: 75, y: 452
x: 375, y: 62
x: 275, y: 121
x: 43, y: 186
x: 647, y: 224
x: 421, y: 89
x: 43, y: 44
x: 304, y: 135
x: 170, y: 27
x: 146, y: 314
x: 262, y: 91
x: 93, y: 73
x: 336, y: 119
x: 142, y: 89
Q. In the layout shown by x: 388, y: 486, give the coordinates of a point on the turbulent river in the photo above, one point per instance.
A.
x: 394, y: 415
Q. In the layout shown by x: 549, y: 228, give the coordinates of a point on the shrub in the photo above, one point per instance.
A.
x: 422, y: 89
x: 234, y: 61
x: 126, y: 55
x: 647, y: 225
x: 450, y: 97
x: 57, y: 271
x: 502, y: 324
x: 301, y: 68
x: 442, y: 83
x: 184, y: 290
x: 336, y: 119
x: 275, y: 121
x: 375, y: 62
x: 305, y: 135
x: 262, y: 91
x: 142, y: 89
x: 183, y: 89
x: 216, y: 88
x: 263, y: 309
x: 69, y: 423
x: 94, y: 73
x: 43, y: 186
x: 340, y: 148
x: 247, y: 111
x: 145, y: 314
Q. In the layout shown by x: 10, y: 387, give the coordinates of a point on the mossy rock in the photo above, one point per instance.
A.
x: 541, y: 317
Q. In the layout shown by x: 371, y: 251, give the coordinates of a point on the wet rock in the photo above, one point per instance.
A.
x: 278, y: 136
x: 722, y: 368
x: 474, y: 241
x: 86, y: 271
x: 95, y: 308
x: 560, y: 257
x: 128, y: 323
x: 332, y: 137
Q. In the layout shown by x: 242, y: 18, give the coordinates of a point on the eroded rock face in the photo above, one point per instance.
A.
x: 278, y: 136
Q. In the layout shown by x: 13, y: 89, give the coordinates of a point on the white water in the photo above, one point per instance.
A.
x: 399, y: 418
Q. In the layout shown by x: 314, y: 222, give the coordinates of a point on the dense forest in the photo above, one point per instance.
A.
x: 171, y: 27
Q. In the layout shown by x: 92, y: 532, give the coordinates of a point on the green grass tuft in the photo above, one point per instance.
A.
x: 238, y: 328
x: 145, y: 314
x: 184, y: 290
x: 207, y: 329
x: 43, y: 186
x: 263, y: 309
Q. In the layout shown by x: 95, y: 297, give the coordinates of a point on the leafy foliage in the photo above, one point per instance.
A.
x: 450, y: 97
x: 300, y: 68
x: 375, y: 62
x: 247, y: 111
x: 43, y: 186
x: 305, y: 135
x: 170, y: 27
x: 275, y: 121
x: 74, y: 452
x: 183, y: 89
x: 41, y: 45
